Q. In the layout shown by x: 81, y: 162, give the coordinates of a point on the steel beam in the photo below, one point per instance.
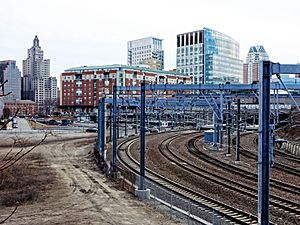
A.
x: 238, y: 130
x: 99, y: 130
x: 110, y: 122
x: 284, y: 69
x: 264, y: 144
x: 118, y: 121
x: 126, y: 133
x: 103, y: 129
x: 136, y: 120
x: 142, y: 138
x: 228, y: 127
x: 221, y: 122
x: 215, y: 129
x: 277, y: 68
x: 195, y: 87
x: 114, y: 161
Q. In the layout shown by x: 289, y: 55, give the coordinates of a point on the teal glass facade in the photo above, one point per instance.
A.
x: 209, y: 57
x: 221, y: 58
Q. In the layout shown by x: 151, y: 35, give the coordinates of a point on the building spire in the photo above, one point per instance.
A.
x: 36, y: 41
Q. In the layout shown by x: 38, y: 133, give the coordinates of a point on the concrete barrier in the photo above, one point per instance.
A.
x: 283, y: 146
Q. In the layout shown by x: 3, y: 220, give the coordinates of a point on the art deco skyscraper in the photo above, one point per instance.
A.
x: 251, y: 68
x: 37, y: 83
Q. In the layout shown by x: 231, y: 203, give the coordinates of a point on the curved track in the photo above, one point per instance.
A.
x: 275, y: 201
x: 280, y: 166
x: 273, y: 182
x: 288, y: 156
x: 233, y: 214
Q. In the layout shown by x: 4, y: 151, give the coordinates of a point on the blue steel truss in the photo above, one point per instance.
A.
x: 206, y: 87
x: 213, y: 96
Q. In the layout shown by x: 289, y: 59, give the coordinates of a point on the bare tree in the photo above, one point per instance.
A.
x: 20, y: 154
x: 11, y: 158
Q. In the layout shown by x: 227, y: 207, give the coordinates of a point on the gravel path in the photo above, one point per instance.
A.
x: 82, y: 195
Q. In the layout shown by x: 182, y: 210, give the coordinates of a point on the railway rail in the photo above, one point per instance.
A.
x: 288, y: 169
x: 250, y: 175
x: 275, y: 201
x: 235, y: 215
x: 280, y: 166
x: 288, y: 156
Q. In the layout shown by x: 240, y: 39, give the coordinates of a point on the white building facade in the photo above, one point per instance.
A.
x: 146, y: 51
x: 37, y: 84
x: 251, y: 69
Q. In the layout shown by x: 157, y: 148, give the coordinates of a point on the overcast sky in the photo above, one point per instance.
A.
x: 95, y: 32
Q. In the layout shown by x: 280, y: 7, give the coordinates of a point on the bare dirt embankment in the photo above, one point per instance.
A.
x: 28, y: 180
x: 291, y: 131
x: 75, y: 193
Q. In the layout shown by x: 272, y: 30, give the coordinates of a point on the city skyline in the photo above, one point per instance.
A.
x: 96, y: 36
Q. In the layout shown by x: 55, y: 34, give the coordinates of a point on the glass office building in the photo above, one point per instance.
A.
x: 10, y: 72
x: 209, y: 57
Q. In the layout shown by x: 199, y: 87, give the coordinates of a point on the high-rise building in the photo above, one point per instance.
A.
x: 146, y: 51
x: 209, y: 57
x: 251, y: 68
x: 10, y: 72
x: 37, y: 84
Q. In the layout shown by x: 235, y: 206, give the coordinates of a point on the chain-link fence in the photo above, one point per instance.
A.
x: 176, y: 206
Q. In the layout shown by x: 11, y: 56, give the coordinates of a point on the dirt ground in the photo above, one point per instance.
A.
x: 291, y: 131
x: 81, y: 195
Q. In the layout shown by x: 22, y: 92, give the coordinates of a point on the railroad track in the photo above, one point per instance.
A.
x: 273, y: 182
x: 232, y: 214
x: 277, y: 202
x: 288, y: 156
x: 288, y: 169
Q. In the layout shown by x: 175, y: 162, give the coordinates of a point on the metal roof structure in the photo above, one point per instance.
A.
x: 120, y: 67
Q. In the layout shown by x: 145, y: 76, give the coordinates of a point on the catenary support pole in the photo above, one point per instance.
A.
x: 136, y: 120
x: 158, y: 117
x: 215, y: 129
x: 221, y: 122
x: 142, y: 138
x: 99, y: 130
x: 110, y: 122
x: 148, y: 120
x: 114, y: 162
x: 118, y: 121
x: 126, y: 133
x: 228, y: 127
x: 274, y: 107
x: 172, y: 124
x: 277, y: 106
x: 264, y: 144
x: 103, y: 126
x: 238, y: 130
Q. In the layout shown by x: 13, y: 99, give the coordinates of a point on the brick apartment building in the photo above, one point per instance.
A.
x: 81, y: 87
x: 25, y: 107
